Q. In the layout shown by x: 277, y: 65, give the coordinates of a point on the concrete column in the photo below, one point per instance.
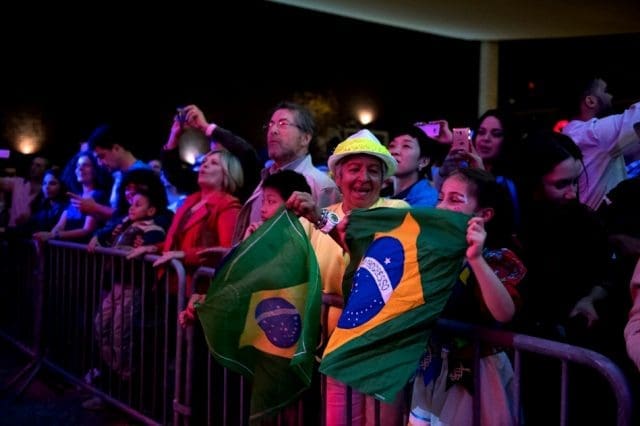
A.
x: 488, y: 83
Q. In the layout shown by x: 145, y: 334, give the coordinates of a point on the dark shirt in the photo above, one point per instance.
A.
x: 566, y: 253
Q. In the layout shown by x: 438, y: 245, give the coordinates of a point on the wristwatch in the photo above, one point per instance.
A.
x: 328, y: 220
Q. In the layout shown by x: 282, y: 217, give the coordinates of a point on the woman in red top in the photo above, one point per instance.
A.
x: 208, y: 217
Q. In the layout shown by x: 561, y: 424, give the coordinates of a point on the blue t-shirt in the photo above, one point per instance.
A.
x: 420, y: 194
x: 75, y: 218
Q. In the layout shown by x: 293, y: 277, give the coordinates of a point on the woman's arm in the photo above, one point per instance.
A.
x: 87, y: 229
x: 55, y: 232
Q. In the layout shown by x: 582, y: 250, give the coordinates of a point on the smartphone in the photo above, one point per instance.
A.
x: 461, y: 139
x: 4, y: 153
x: 430, y: 129
x: 182, y: 115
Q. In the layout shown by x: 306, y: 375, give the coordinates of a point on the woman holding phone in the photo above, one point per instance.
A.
x: 493, y: 145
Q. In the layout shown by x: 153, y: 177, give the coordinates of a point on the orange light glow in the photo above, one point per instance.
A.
x: 365, y: 116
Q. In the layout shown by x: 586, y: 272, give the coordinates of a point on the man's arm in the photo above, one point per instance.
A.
x: 91, y: 207
x: 618, y: 131
x: 240, y: 148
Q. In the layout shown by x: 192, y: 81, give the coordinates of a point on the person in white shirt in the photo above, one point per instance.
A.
x: 603, y: 139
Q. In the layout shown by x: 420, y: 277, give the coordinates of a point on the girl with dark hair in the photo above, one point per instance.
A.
x: 73, y: 224
x: 495, y: 148
x: 563, y: 240
x: 567, y: 290
x: 102, y: 178
x: 49, y: 205
x: 486, y: 293
x: 496, y: 142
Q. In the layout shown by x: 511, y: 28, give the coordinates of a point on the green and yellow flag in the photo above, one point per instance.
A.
x: 262, y: 311
x: 404, y: 265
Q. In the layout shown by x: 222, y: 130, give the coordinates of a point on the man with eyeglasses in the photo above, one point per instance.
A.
x: 289, y: 132
x: 603, y: 138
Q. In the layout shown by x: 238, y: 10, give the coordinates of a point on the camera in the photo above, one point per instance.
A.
x: 181, y: 115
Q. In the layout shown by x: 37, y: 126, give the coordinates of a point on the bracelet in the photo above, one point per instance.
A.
x: 322, y: 220
x: 328, y: 220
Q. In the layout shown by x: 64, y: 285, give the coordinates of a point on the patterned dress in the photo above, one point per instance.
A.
x: 443, y: 386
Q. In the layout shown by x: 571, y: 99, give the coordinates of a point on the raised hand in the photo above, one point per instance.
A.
x: 302, y: 204
x: 476, y: 236
x: 195, y: 118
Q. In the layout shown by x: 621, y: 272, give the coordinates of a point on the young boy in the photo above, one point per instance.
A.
x: 139, y: 223
x: 121, y: 306
x: 276, y: 190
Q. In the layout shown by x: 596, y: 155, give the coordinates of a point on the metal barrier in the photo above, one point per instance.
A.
x: 222, y: 394
x: 19, y: 270
x: 108, y: 324
x: 564, y: 354
x: 135, y: 370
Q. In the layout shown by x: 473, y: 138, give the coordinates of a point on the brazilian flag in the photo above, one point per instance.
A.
x: 404, y: 265
x: 262, y: 311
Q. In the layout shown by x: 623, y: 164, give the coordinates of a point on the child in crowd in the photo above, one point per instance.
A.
x: 276, y: 190
x: 485, y: 294
x: 133, y: 182
x: 138, y: 224
x: 115, y: 316
x: 121, y: 306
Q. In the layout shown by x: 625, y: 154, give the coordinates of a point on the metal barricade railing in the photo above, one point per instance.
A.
x: 109, y: 324
x: 222, y: 395
x: 513, y: 342
x: 518, y: 344
x: 21, y: 269
x: 19, y: 275
x: 563, y: 353
x: 73, y: 286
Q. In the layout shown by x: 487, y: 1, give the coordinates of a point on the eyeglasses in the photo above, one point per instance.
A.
x: 280, y: 125
x: 563, y: 183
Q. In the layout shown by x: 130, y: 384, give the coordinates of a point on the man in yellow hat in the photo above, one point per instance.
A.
x: 359, y: 165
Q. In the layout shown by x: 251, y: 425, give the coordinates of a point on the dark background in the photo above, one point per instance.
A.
x: 66, y: 71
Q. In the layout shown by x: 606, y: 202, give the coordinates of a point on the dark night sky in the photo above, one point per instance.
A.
x: 118, y: 64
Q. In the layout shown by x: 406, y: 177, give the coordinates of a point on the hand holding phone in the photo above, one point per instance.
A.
x: 181, y: 115
x: 461, y: 139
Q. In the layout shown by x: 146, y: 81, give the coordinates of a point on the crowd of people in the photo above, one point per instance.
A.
x: 553, y: 239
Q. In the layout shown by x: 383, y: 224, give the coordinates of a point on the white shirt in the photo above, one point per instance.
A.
x: 602, y: 142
